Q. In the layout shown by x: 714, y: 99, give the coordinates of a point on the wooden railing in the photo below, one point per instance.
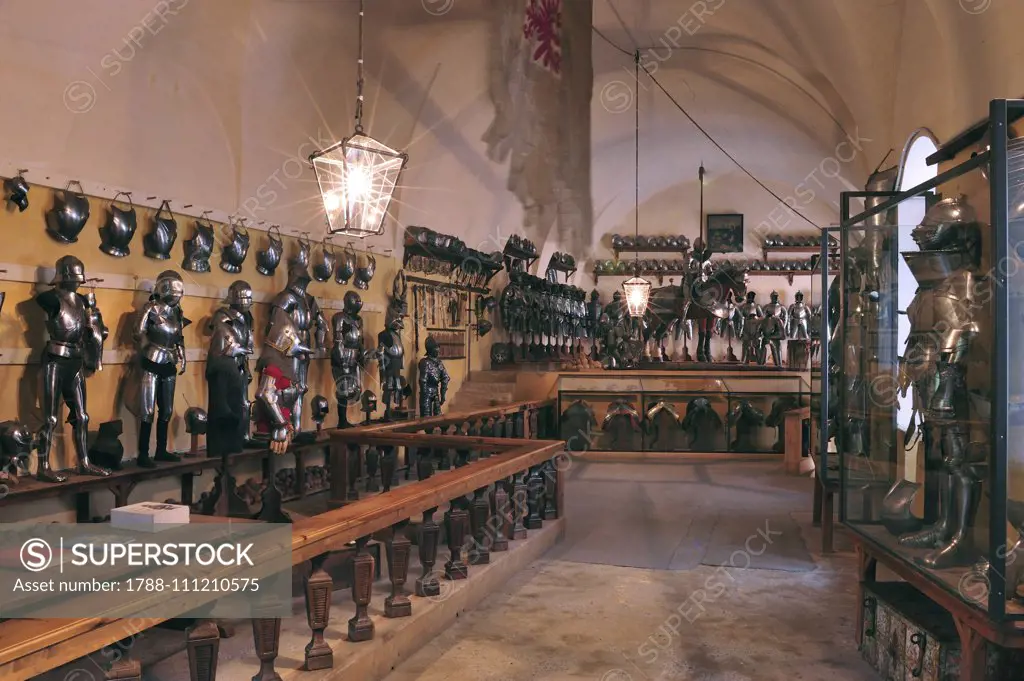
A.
x: 494, y: 479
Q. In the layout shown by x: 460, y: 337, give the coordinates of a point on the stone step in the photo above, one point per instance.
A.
x: 491, y: 377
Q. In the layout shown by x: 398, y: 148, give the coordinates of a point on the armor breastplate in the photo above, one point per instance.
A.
x: 119, y: 230
x: 774, y: 310
x: 297, y: 307
x: 161, y: 237
x: 940, y: 317
x: 163, y: 334
x: 799, y: 311
x: 231, y: 337
x: 751, y: 310
x: 268, y: 260
x: 233, y: 255
x: 198, y: 249
x: 67, y: 328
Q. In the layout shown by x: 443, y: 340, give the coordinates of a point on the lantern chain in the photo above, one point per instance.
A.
x: 359, y: 67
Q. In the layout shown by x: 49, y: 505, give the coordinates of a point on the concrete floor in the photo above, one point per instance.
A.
x: 561, y: 620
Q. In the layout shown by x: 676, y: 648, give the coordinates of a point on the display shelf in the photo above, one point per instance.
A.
x: 790, y: 275
x: 679, y: 250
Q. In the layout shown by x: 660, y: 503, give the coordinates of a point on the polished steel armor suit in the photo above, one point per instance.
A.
x: 159, y: 335
x: 227, y: 372
x: 433, y: 381
x: 348, y: 355
x: 776, y: 309
x: 752, y: 315
x: 280, y: 391
x: 799, y: 318
x: 943, y: 322
x: 74, y: 348
x: 304, y: 313
x: 392, y: 364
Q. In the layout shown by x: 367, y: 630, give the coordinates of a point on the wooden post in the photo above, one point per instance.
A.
x: 202, y: 642
x: 535, y: 499
x: 456, y: 521
x: 428, y: 584
x: 550, y: 476
x: 360, y: 627
x: 480, y: 554
x: 319, y: 587
x: 398, y: 604
x: 266, y: 634
x: 354, y: 469
x: 372, y: 463
x: 388, y: 467
x: 193, y: 450
x: 520, y: 506
x: 339, y: 466
x: 501, y: 510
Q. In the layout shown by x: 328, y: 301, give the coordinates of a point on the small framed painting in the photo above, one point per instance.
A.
x: 725, y: 232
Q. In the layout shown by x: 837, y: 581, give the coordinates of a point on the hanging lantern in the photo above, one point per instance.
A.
x: 357, y: 176
x: 638, y: 293
x: 357, y: 179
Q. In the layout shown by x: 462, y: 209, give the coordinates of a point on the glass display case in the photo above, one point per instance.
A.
x: 922, y: 399
x: 677, y: 413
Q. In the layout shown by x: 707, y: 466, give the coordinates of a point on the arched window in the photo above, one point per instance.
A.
x: 913, y: 171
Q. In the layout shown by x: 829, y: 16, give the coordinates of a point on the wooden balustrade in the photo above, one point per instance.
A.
x: 495, y: 485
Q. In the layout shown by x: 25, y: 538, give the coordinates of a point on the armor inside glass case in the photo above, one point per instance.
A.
x: 926, y: 351
x: 678, y: 413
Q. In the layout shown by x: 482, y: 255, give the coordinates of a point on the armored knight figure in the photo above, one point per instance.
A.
x: 280, y: 387
x: 773, y: 331
x: 348, y: 356
x: 752, y: 314
x: 800, y: 314
x: 776, y: 309
x: 227, y: 372
x: 159, y: 335
x: 71, y: 353
x: 943, y: 323
x: 730, y: 326
x: 391, y: 352
x: 433, y: 380
x: 305, y: 315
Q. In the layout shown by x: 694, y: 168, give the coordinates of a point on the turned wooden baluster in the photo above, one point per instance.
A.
x: 456, y: 523
x: 319, y: 587
x: 535, y: 431
x: 398, y: 549
x: 462, y: 455
x: 202, y: 642
x: 501, y: 512
x: 122, y: 670
x: 266, y: 634
x: 428, y: 584
x: 550, y: 490
x: 510, y: 426
x: 354, y: 469
x: 389, y: 467
x: 372, y: 462
x: 519, y: 425
x: 360, y: 627
x: 479, y: 511
x: 424, y: 463
x: 474, y: 431
x: 520, y: 506
x: 487, y: 428
x: 443, y: 460
x: 535, y: 499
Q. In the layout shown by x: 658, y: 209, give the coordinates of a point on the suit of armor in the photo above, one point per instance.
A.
x: 73, y: 350
x: 799, y: 318
x: 943, y: 322
x: 730, y: 326
x: 348, y: 355
x: 227, y: 372
x: 308, y: 321
x: 433, y: 381
x: 773, y: 330
x: 159, y: 335
x: 279, y: 389
x: 752, y: 315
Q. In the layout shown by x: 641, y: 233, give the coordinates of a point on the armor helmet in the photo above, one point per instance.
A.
x: 799, y: 296
x: 938, y: 224
x: 751, y: 295
x: 196, y: 421
x: 169, y: 287
x: 240, y: 295
x: 15, y: 438
x: 483, y: 327
x: 433, y: 349
x: 353, y: 303
x: 298, y: 274
x: 774, y: 296
x: 369, y: 402
x: 320, y: 409
x: 69, y: 270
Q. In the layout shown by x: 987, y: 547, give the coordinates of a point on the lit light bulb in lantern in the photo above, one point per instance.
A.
x: 360, y: 185
x: 638, y: 293
x: 332, y: 202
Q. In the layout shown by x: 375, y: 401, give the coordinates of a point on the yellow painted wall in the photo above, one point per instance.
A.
x: 27, y: 249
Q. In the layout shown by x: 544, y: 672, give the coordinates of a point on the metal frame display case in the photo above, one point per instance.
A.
x: 667, y: 413
x: 924, y: 403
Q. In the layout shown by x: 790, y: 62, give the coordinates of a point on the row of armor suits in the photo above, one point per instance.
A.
x: 296, y: 329
x: 548, y: 317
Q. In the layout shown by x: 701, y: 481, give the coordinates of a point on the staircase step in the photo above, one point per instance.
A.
x: 491, y: 377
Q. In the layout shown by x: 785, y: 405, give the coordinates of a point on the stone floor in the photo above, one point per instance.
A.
x: 563, y: 620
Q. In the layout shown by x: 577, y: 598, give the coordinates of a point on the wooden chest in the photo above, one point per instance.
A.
x: 907, y: 637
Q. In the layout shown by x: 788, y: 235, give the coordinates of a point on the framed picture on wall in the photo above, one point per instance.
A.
x: 725, y: 232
